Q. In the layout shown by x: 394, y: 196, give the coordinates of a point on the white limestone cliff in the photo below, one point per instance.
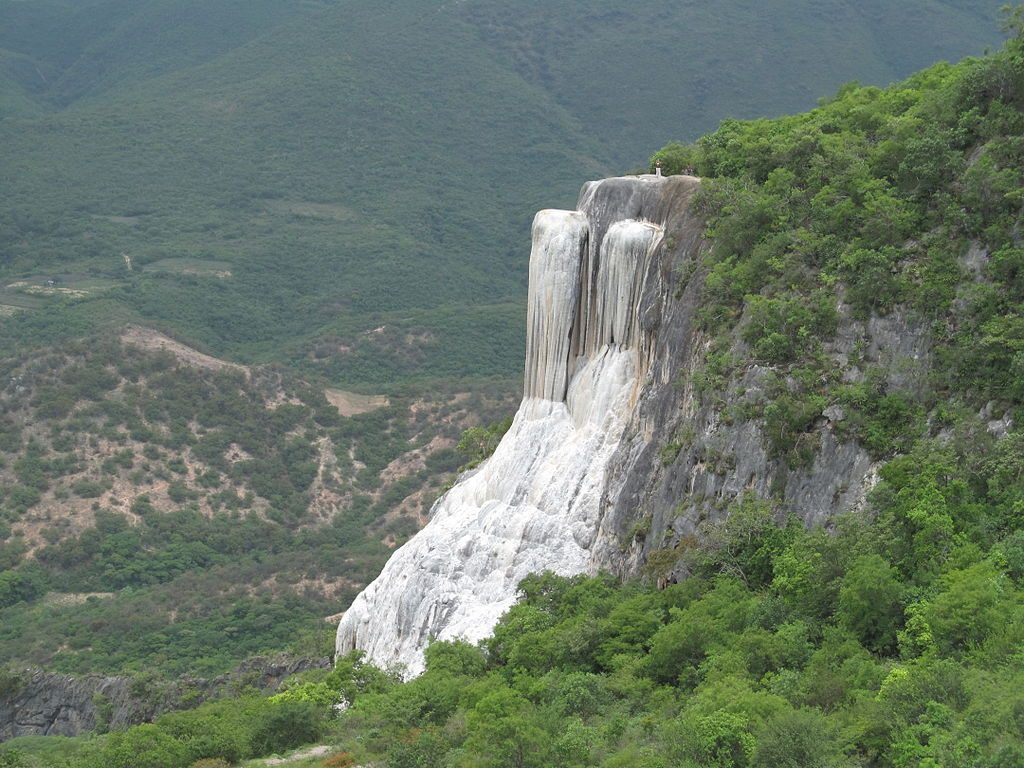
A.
x: 616, y: 452
x: 537, y: 503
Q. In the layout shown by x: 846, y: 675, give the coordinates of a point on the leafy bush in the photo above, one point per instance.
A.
x: 286, y: 725
x: 478, y: 443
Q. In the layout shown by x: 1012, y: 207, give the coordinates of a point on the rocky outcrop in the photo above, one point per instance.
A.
x: 38, y: 703
x: 616, y: 451
x: 536, y: 504
x: 687, y: 455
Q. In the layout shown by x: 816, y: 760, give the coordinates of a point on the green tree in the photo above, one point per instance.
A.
x: 478, y: 443
x: 505, y: 732
x: 797, y: 738
x: 870, y: 602
x: 145, y: 745
x: 286, y: 725
x: 718, y: 740
x: 969, y: 608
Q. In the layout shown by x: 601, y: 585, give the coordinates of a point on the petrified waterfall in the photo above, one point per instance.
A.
x: 536, y: 504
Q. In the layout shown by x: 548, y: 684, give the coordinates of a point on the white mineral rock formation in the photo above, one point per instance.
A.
x: 536, y: 503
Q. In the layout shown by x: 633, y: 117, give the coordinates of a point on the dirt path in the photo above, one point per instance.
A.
x: 352, y: 403
x: 304, y: 754
x: 148, y: 339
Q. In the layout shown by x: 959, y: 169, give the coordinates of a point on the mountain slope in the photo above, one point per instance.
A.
x: 93, y: 46
x: 324, y: 177
x: 309, y: 149
x: 638, y: 72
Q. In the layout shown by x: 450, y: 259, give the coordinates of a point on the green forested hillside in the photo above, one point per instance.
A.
x: 217, y: 163
x: 176, y: 516
x: 890, y: 640
x: 83, y: 48
x: 271, y: 180
x: 637, y: 72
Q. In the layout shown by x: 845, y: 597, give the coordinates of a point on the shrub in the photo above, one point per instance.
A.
x: 87, y: 489
x: 339, y: 760
x: 287, y: 725
x: 800, y: 738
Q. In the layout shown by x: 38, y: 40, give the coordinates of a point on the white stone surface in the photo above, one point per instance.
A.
x: 559, y: 243
x: 536, y: 503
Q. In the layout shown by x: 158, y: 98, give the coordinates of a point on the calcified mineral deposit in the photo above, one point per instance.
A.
x: 536, y: 504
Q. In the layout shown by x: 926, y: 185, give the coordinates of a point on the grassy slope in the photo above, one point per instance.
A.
x: 637, y: 73
x: 424, y: 137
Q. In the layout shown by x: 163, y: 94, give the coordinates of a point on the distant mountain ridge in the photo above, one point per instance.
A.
x: 356, y: 166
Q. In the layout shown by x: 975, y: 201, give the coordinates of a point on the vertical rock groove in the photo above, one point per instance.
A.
x: 537, y: 503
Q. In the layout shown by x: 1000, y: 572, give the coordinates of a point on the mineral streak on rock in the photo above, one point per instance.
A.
x: 537, y: 503
x: 559, y: 240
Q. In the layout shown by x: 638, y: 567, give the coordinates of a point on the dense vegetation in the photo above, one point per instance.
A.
x: 370, y: 202
x: 156, y: 515
x: 895, y: 643
x: 907, y: 202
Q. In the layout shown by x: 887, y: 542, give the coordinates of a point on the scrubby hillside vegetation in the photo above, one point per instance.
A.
x: 891, y: 639
x: 241, y: 174
x: 166, y: 512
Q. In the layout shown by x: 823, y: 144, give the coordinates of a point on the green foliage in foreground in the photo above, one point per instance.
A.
x: 228, y: 730
x: 892, y: 643
x: 907, y: 203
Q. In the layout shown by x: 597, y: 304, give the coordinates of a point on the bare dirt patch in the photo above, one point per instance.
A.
x: 68, y: 599
x: 48, y: 290
x: 412, y: 462
x: 304, y: 754
x: 148, y: 339
x: 198, y: 267
x: 329, y: 589
x: 352, y: 403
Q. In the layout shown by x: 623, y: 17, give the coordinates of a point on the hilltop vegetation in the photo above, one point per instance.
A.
x: 891, y: 640
x: 270, y: 181
x: 906, y: 202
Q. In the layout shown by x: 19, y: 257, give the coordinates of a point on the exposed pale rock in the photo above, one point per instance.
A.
x: 614, y: 349
x: 559, y: 241
x: 536, y: 503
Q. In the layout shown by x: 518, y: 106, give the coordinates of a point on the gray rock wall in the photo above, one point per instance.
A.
x: 687, y: 456
x: 38, y: 703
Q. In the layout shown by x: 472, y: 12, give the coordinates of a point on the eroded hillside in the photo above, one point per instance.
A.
x: 140, y: 469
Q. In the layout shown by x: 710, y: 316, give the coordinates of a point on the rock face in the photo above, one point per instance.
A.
x: 536, y: 504
x: 613, y: 453
x: 37, y: 703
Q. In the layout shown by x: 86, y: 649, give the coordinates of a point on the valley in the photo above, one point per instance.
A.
x: 265, y: 299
